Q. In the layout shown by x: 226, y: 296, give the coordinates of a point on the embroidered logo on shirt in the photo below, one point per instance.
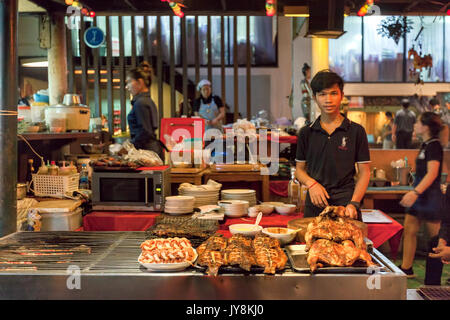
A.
x: 421, y: 155
x: 343, y: 145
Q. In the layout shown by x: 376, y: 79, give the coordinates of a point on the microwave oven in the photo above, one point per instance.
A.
x: 133, y: 191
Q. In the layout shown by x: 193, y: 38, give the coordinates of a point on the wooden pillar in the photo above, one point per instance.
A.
x: 8, y: 120
x: 57, y: 60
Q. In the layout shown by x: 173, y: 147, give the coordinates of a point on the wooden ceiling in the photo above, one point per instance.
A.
x: 241, y: 7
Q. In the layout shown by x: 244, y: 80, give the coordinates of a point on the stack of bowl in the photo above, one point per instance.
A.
x: 178, y: 205
x: 234, y: 208
x: 240, y: 194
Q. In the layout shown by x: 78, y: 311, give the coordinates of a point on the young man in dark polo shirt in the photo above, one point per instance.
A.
x: 327, y: 151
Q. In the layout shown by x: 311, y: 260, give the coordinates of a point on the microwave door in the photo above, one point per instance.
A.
x: 119, y: 191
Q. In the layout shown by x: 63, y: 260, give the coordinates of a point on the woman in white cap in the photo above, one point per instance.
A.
x: 209, y: 107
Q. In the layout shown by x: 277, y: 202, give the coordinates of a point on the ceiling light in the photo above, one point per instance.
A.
x: 35, y: 62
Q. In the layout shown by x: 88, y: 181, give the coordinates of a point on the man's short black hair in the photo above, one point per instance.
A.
x: 389, y: 114
x: 326, y: 79
x: 434, y: 102
x: 405, y: 103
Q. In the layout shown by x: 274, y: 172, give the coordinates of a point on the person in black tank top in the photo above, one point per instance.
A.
x: 426, y: 202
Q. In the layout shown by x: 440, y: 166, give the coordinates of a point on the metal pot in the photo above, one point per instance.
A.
x: 71, y: 99
x: 21, y: 191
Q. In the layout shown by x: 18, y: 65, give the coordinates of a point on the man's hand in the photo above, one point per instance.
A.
x: 442, y: 252
x: 319, y: 195
x: 351, y: 212
x: 213, y: 122
x: 409, y: 199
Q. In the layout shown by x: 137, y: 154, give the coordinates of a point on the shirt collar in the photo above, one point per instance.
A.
x: 139, y: 95
x: 345, y: 125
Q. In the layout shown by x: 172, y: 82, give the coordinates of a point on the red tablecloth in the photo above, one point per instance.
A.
x: 119, y: 221
x: 284, y: 139
x: 140, y: 221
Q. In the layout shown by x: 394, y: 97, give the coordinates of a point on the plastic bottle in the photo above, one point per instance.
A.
x: 43, y: 169
x: 73, y: 169
x: 294, y: 190
x: 54, y: 169
x: 64, y: 171
x: 84, y: 177
x: 30, y: 172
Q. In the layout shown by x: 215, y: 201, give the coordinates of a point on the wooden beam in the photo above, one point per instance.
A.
x: 236, y: 70
x: 123, y: 103
x: 208, y: 44
x: 97, y: 88
x: 133, y: 42
x: 70, y: 70
x: 109, y: 89
x: 197, y: 55
x: 185, y: 73
x: 84, y: 82
x: 249, y: 68
x: 159, y: 68
x: 222, y: 61
x: 172, y: 69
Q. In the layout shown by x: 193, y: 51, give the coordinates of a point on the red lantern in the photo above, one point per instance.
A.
x: 92, y: 14
x: 84, y: 11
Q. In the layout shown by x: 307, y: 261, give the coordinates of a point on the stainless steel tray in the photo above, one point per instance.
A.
x: 297, y: 258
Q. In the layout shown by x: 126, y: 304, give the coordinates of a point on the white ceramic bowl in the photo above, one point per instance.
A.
x: 286, y: 209
x: 285, y: 235
x: 245, y: 229
x: 265, y: 208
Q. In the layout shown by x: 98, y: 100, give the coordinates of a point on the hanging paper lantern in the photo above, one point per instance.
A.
x: 270, y: 8
x: 69, y: 2
x: 91, y: 14
x: 75, y: 4
x: 85, y: 11
x: 176, y: 9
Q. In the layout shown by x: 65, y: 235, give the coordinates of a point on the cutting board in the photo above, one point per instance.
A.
x: 57, y: 206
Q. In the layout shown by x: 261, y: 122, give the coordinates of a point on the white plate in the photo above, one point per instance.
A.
x: 238, y: 191
x: 179, y: 198
x: 168, y: 266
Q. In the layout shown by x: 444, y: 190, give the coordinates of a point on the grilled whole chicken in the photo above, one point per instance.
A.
x: 335, y: 254
x: 332, y: 239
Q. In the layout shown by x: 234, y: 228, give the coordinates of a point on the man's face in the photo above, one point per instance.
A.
x: 329, y: 100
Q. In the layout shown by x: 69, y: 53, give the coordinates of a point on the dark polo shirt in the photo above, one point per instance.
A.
x: 330, y: 159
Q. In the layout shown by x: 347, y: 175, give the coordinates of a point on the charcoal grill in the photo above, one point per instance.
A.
x: 108, y: 269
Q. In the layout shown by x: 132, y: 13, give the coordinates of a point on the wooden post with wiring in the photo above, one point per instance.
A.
x: 8, y: 117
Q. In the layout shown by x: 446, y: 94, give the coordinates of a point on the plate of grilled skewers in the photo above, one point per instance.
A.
x: 169, y: 254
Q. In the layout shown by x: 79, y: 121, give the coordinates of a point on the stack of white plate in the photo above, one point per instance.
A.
x: 203, y: 196
x: 178, y: 205
x: 240, y: 194
x: 234, y: 208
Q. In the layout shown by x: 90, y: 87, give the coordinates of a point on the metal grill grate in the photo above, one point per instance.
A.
x: 435, y: 293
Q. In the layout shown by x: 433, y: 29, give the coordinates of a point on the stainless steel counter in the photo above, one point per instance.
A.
x: 104, y: 266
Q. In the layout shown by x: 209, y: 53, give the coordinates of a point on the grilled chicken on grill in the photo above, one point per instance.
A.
x: 211, y: 254
x: 335, y: 254
x: 334, y: 240
x: 269, y: 254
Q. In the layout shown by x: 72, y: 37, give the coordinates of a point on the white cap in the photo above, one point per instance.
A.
x: 202, y: 83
